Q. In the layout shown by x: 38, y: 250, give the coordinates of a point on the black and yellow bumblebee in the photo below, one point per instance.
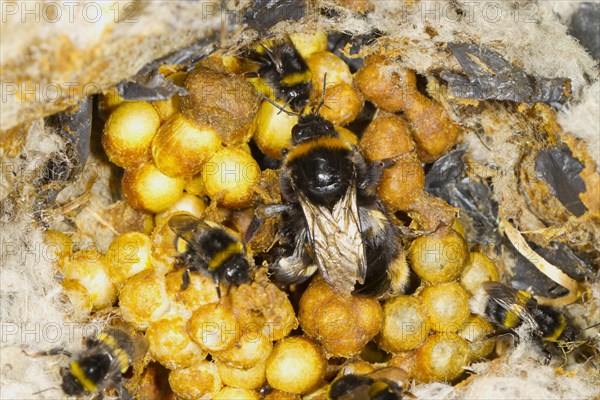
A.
x: 383, y: 384
x: 509, y: 309
x: 333, y: 220
x: 101, y: 364
x: 280, y: 64
x: 209, y: 249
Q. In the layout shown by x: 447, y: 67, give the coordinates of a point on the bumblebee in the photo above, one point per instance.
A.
x: 208, y: 249
x: 101, y: 364
x: 285, y: 71
x: 509, y: 309
x: 333, y: 220
x: 383, y: 384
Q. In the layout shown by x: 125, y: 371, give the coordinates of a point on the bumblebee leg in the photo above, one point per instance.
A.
x: 185, y: 279
x: 123, y: 393
x: 51, y: 352
x: 218, y: 286
x: 547, y: 355
x: 374, y: 173
x: 262, y: 213
x: 250, y: 74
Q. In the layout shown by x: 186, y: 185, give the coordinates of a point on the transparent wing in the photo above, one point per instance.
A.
x: 272, y: 52
x: 337, y: 241
x: 187, y: 227
x: 511, y: 300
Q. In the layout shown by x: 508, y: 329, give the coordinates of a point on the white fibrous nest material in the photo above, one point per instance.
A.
x: 34, y: 312
x: 581, y: 120
x: 519, y: 375
x: 529, y: 34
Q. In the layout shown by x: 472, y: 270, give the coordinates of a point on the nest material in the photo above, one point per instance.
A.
x: 497, y: 138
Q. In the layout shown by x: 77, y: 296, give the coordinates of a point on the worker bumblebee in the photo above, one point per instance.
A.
x: 510, y: 309
x: 101, y: 364
x: 280, y: 64
x: 208, y: 249
x: 382, y: 384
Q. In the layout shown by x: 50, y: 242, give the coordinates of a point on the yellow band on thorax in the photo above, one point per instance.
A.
x: 328, y: 142
x: 296, y: 78
x: 118, y: 352
x: 78, y: 373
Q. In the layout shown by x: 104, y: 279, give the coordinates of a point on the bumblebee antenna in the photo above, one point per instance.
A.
x: 591, y: 326
x: 45, y: 390
x: 322, y: 102
x: 280, y: 108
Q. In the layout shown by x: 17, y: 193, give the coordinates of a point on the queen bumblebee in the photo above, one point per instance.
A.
x: 208, y: 249
x: 509, y: 309
x: 280, y: 64
x: 333, y: 217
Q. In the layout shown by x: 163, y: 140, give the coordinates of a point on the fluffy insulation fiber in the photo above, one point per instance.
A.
x: 530, y: 34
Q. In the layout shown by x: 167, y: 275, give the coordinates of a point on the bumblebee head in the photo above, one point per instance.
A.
x: 298, y: 95
x: 569, y: 335
x: 312, y: 126
x: 71, y: 385
x: 237, y: 270
x: 85, y: 374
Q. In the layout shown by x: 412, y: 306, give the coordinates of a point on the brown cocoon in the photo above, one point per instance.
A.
x: 228, y: 103
x: 342, y: 325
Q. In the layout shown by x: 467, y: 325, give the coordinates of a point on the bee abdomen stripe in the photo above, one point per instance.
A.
x: 220, y: 257
x: 555, y: 335
x: 513, y: 316
x: 511, y: 319
x: 181, y: 245
x: 78, y: 373
x: 119, y: 353
x: 376, y: 388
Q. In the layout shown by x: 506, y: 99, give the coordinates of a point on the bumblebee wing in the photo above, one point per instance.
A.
x: 393, y: 374
x: 186, y: 226
x: 360, y: 387
x: 128, y: 347
x: 337, y: 240
x: 272, y: 54
x: 511, y: 300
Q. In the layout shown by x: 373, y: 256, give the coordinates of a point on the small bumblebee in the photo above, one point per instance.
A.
x: 509, y: 309
x: 101, y: 364
x: 208, y: 249
x: 285, y: 71
x: 383, y: 384
x: 333, y: 220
